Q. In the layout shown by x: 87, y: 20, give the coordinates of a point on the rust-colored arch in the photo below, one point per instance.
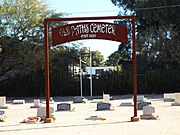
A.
x: 47, y: 76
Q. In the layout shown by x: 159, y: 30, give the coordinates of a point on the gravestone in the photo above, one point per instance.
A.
x: 63, y: 107
x: 19, y: 101
x: 169, y: 97
x: 3, y: 102
x: 143, y: 104
x: 37, y: 103
x: 140, y: 98
x: 106, y: 98
x: 177, y: 99
x: 41, y: 111
x: 79, y: 100
x: 2, y: 112
x: 103, y: 106
x: 148, y: 110
x: 149, y: 113
x: 3, y: 116
x: 127, y: 103
x: 51, y: 101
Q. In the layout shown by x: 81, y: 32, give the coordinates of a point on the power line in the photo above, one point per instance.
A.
x: 159, y: 7
x: 136, y: 9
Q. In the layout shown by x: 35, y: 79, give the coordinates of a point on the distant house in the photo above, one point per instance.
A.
x: 98, y: 70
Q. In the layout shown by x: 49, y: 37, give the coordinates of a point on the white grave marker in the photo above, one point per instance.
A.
x: 106, y: 98
x: 2, y: 101
x: 37, y: 102
x: 149, y: 112
x: 177, y: 99
x: 22, y: 101
x: 127, y: 103
x: 169, y: 97
x: 140, y: 98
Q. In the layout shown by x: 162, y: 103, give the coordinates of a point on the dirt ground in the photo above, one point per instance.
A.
x: 82, y: 121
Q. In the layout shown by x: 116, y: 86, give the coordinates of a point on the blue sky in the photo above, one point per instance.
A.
x: 80, y: 8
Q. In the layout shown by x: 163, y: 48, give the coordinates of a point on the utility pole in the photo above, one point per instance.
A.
x: 90, y: 72
x: 80, y: 66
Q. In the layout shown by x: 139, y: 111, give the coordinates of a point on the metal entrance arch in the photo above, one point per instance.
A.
x: 47, y: 74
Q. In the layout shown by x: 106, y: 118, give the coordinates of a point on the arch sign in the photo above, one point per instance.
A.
x: 89, y: 30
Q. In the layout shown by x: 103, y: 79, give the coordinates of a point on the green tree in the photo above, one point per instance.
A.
x: 158, y: 24
x: 97, y: 58
x: 21, y: 44
x: 158, y: 40
x: 63, y: 61
x: 21, y: 23
x: 114, y: 59
x: 20, y: 58
x: 122, y: 55
x: 22, y: 18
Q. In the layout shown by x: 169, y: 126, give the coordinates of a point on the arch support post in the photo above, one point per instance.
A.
x: 47, y: 78
x: 135, y: 117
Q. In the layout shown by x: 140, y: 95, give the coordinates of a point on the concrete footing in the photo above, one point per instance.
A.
x: 135, y: 119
